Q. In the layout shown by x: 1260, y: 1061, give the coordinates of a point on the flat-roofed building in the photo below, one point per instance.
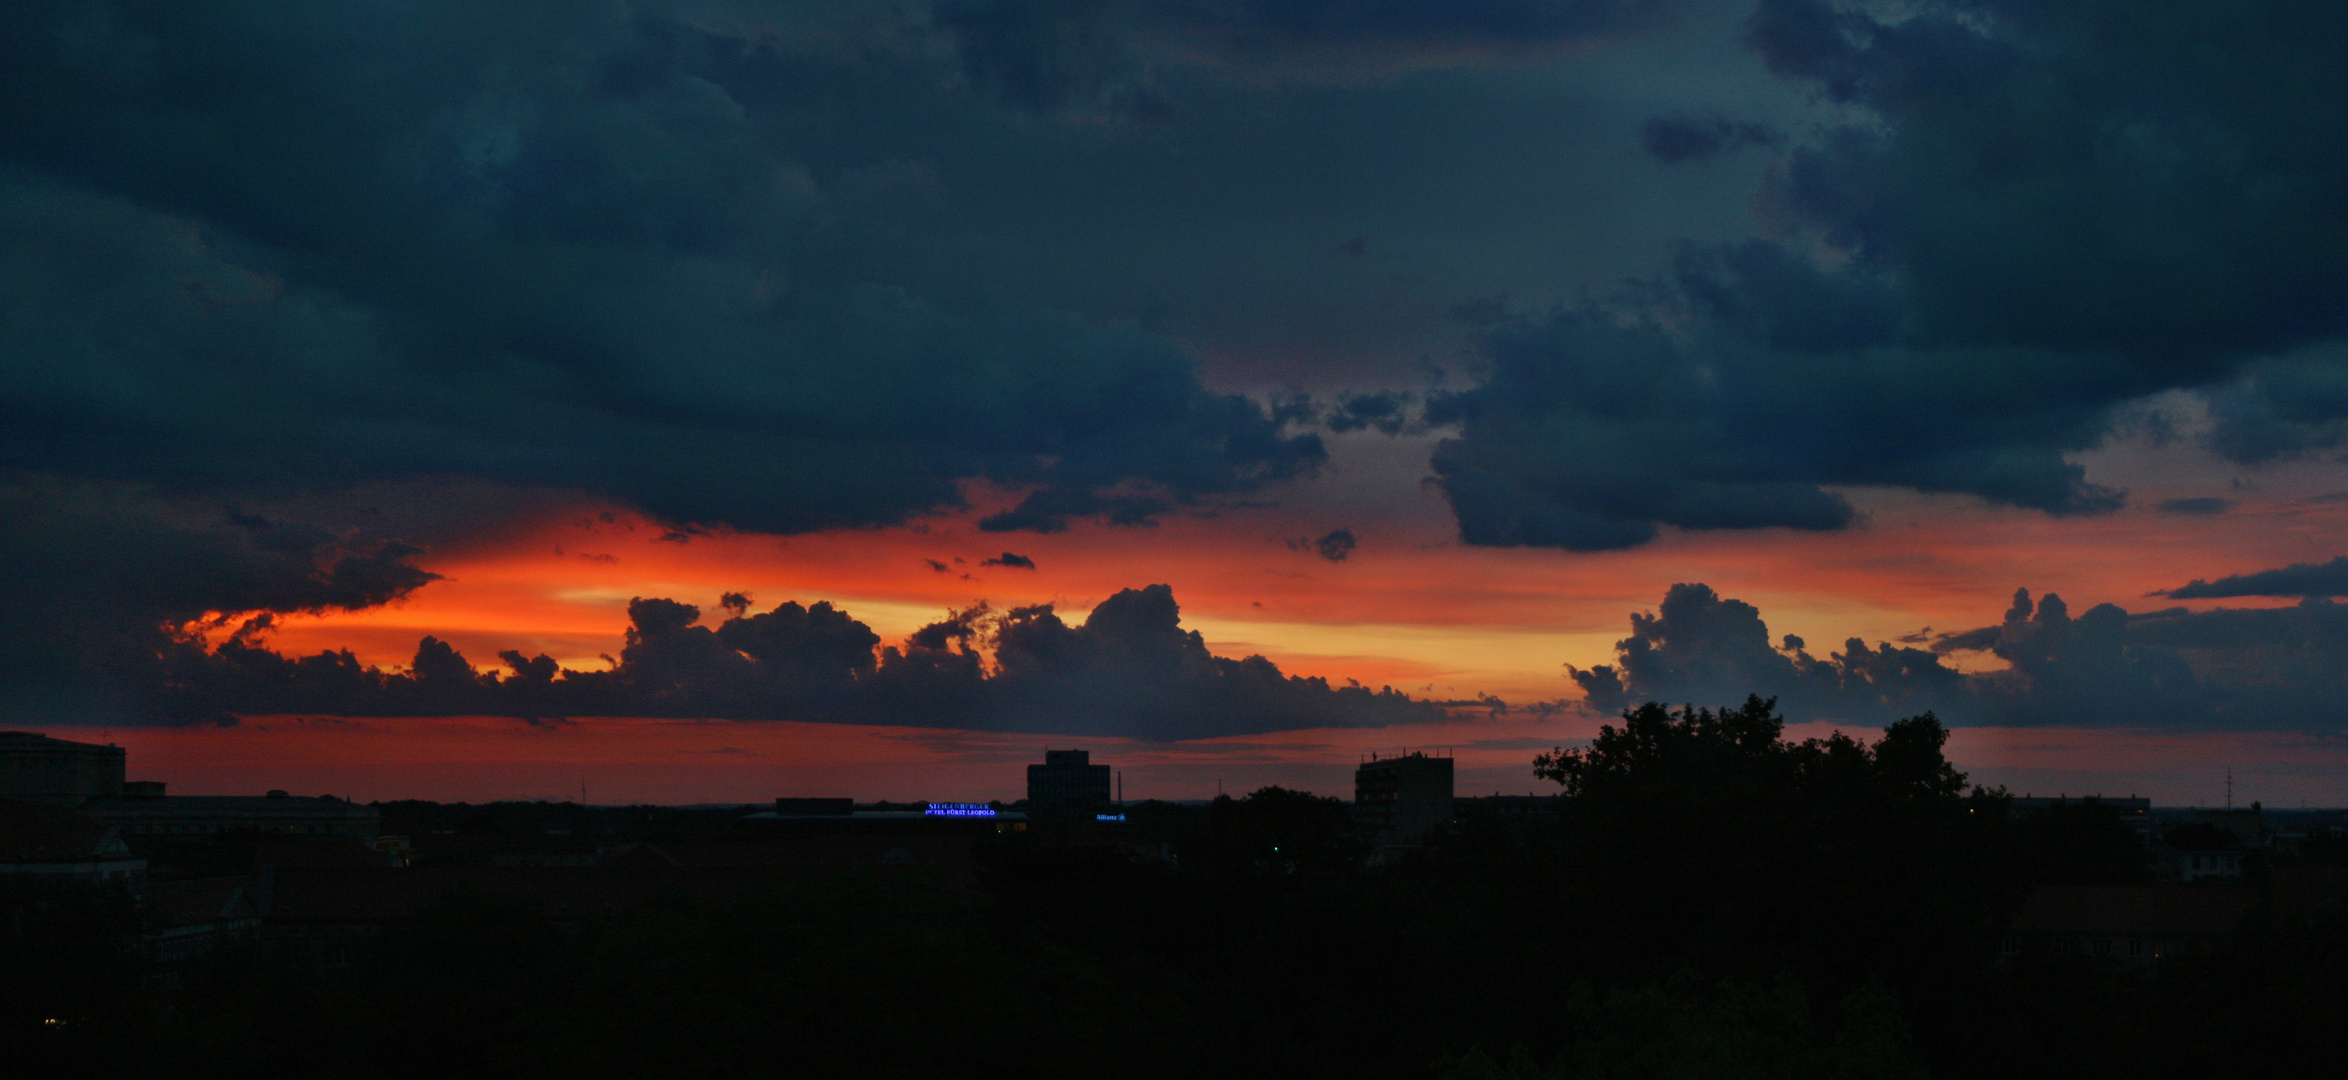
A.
x: 214, y: 815
x: 37, y: 768
x: 2132, y: 925
x: 1068, y: 780
x: 90, y: 778
x: 1398, y: 800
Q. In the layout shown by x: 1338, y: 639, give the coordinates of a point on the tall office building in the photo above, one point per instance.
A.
x: 1397, y: 800
x: 1068, y: 779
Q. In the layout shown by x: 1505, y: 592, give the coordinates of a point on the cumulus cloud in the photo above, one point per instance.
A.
x: 1385, y: 410
x: 2297, y: 579
x: 1129, y: 669
x: 2281, y: 669
x: 1699, y: 646
x: 1336, y: 545
x: 252, y: 256
x: 563, y: 252
x: 106, y: 579
x: 2027, y: 223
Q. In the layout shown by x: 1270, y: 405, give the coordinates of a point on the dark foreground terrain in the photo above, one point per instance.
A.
x: 1703, y: 900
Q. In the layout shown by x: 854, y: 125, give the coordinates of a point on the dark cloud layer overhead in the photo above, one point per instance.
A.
x: 786, y: 267
x: 2277, y: 669
x: 1100, y: 55
x: 253, y: 253
x: 1674, y: 139
x: 255, y: 247
x: 2033, y: 219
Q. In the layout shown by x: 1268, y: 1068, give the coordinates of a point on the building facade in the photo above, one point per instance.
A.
x: 52, y: 842
x: 1398, y: 800
x: 213, y: 815
x: 37, y: 768
x: 1068, y: 780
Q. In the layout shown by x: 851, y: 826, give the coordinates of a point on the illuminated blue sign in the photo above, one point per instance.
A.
x: 959, y: 809
x: 1108, y: 817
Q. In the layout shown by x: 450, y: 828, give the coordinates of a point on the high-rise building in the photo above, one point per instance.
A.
x: 1068, y: 780
x: 1397, y: 800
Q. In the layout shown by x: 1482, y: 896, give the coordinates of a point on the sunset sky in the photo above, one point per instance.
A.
x: 1517, y: 360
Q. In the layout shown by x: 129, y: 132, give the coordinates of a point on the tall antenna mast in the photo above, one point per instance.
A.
x: 2229, y: 787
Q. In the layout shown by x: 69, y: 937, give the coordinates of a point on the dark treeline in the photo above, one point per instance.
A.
x: 1710, y: 900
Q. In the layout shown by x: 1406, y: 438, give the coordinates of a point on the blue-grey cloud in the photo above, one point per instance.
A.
x: 2196, y: 506
x: 2033, y: 223
x: 257, y: 255
x: 1129, y: 669
x: 106, y: 579
x: 1102, y: 55
x: 2280, y: 669
x: 2298, y: 579
x: 1336, y: 545
x: 1674, y: 139
x: 1385, y: 410
x: 570, y: 252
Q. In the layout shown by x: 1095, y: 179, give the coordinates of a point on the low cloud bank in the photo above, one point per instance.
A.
x: 1128, y: 670
x: 2297, y: 579
x: 2272, y: 669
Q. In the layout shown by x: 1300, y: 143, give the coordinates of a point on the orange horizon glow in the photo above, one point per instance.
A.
x: 1411, y: 608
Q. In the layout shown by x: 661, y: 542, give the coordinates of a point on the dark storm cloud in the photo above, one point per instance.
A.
x: 1385, y: 410
x: 2283, y: 407
x: 102, y: 577
x: 1129, y: 670
x: 1674, y: 139
x: 1701, y: 647
x: 2035, y: 222
x: 2297, y: 579
x: 1415, y: 22
x: 569, y: 252
x: 2279, y: 669
x: 269, y: 256
x: 1010, y: 560
x: 1132, y: 669
x: 2199, y: 506
x: 1101, y: 55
